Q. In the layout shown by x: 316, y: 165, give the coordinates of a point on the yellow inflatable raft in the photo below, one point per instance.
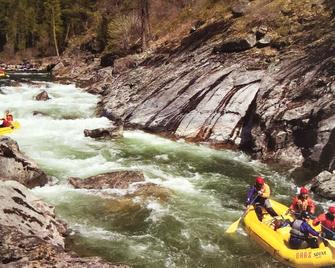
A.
x: 3, y: 74
x: 276, y: 242
x: 8, y: 130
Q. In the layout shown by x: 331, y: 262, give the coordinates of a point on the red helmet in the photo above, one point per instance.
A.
x: 331, y: 209
x: 259, y: 180
x: 303, y: 190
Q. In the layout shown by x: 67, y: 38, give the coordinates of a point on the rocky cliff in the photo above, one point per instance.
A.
x: 265, y: 86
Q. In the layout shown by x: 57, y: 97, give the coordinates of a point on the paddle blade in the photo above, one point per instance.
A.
x: 233, y: 227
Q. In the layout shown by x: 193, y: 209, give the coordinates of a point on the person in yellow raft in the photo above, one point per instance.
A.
x: 302, y: 202
x: 7, y: 120
x: 258, y: 196
x: 302, y: 235
x: 327, y: 221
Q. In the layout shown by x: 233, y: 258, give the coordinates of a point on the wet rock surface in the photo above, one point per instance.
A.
x: 14, y: 165
x: 31, y: 235
x: 105, y: 133
x: 116, y: 179
x: 324, y: 184
x: 132, y: 203
x: 43, y: 96
x: 149, y: 191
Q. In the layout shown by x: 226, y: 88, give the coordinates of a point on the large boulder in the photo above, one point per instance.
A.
x: 324, y: 184
x: 237, y: 44
x: 31, y: 235
x: 116, y: 179
x: 42, y: 96
x: 240, y: 8
x: 105, y: 133
x: 14, y: 165
x: 22, y: 210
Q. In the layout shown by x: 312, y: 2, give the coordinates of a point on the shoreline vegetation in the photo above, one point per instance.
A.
x: 255, y: 76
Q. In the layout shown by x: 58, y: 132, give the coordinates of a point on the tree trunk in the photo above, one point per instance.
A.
x: 67, y: 32
x: 145, y: 25
x: 54, y: 31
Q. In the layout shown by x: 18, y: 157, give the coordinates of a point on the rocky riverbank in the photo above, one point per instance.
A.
x: 30, y: 233
x: 249, y: 89
x: 16, y: 166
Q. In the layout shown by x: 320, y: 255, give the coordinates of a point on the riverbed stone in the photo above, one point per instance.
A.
x: 116, y: 179
x: 42, y: 96
x: 149, y: 191
x: 15, y: 165
x: 105, y: 133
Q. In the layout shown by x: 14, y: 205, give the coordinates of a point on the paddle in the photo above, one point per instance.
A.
x: 325, y: 240
x: 233, y: 227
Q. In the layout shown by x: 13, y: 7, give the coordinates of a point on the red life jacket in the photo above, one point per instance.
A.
x: 299, y: 205
x: 6, y: 123
x: 8, y: 120
x: 329, y: 224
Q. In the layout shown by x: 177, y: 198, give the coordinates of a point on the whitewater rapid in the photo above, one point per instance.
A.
x: 208, y: 186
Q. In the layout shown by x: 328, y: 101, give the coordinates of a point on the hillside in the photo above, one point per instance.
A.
x: 257, y: 76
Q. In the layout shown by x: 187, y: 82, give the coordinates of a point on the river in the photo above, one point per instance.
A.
x: 208, y: 186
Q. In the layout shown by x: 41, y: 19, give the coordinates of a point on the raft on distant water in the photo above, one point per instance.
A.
x: 8, y: 130
x: 3, y: 74
x: 276, y: 242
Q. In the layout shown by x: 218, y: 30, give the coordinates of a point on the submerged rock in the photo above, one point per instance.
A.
x: 137, y: 194
x: 14, y: 165
x: 43, y: 96
x: 116, y: 179
x: 105, y: 133
x: 38, y: 113
x: 31, y: 235
x: 151, y: 190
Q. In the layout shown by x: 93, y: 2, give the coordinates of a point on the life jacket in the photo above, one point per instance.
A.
x: 7, y: 120
x: 265, y: 189
x: 295, y: 231
x: 306, y: 205
x: 325, y: 222
x: 6, y: 123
